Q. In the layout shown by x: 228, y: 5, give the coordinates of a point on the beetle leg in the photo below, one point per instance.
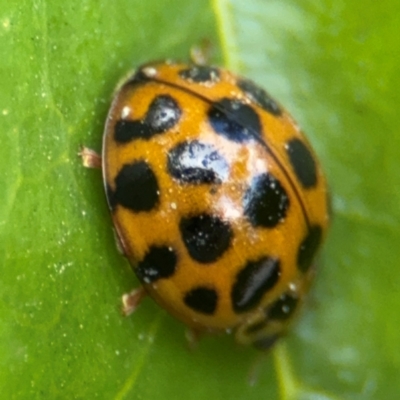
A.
x: 200, y: 54
x: 131, y: 300
x: 193, y: 337
x: 90, y: 159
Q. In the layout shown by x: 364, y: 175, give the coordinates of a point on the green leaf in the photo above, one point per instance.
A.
x: 334, y: 64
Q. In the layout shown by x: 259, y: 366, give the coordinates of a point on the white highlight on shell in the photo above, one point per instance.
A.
x: 125, y: 112
x: 285, y: 309
x: 150, y: 72
x: 229, y: 209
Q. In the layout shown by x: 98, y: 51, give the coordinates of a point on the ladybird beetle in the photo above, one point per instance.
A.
x: 217, y: 199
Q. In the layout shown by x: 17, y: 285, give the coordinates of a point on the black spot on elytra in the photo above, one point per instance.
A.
x: 235, y: 120
x: 136, y: 187
x: 309, y: 247
x: 200, y: 74
x: 283, y: 308
x: 302, y: 162
x: 206, y: 237
x: 202, y: 299
x: 265, y: 202
x: 159, y: 262
x: 162, y: 114
x: 253, y: 281
x: 259, y: 96
x: 126, y: 130
x: 195, y: 162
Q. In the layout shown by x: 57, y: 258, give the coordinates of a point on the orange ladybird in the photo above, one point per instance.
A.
x: 217, y: 199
